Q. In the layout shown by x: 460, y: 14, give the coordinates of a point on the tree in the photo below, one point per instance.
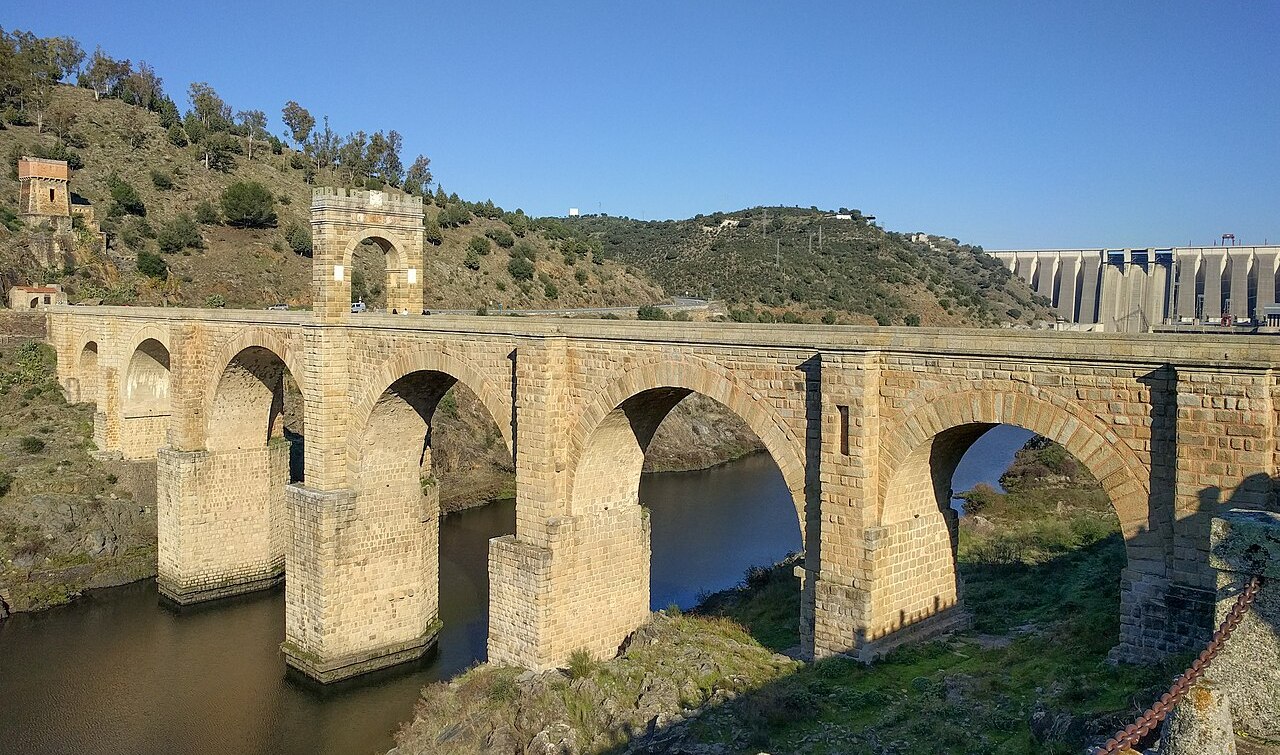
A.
x: 248, y: 204
x: 179, y: 233
x: 152, y: 265
x: 141, y: 87
x: 418, y: 177
x: 323, y: 148
x: 218, y: 150
x: 254, y: 123
x: 299, y: 238
x: 431, y: 231
x: 299, y: 121
x: 472, y: 260
x: 479, y: 244
x: 520, y: 268
x: 209, y: 109
x: 104, y: 73
x: 126, y: 198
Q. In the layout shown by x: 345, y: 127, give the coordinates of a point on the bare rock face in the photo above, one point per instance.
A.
x: 1199, y: 725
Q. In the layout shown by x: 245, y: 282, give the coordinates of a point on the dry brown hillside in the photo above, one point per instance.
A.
x: 254, y: 268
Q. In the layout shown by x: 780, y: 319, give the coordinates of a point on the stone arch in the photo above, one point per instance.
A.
x: 88, y: 378
x: 145, y: 389
x: 615, y: 429
x: 260, y: 347
x: 247, y: 402
x: 392, y: 245
x: 944, y: 425
x: 439, y: 361
x: 913, y: 550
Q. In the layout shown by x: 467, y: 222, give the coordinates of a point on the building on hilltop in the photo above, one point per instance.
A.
x: 33, y: 297
x: 47, y: 206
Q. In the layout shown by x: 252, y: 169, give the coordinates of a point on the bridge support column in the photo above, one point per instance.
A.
x: 856, y: 598
x: 1225, y: 431
x: 586, y: 588
x: 221, y: 521
x: 568, y: 580
x: 363, y: 580
x: 106, y: 418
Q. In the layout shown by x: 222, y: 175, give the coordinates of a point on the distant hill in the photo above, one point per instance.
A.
x: 809, y: 265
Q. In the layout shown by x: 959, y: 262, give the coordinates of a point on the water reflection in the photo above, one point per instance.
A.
x: 116, y: 673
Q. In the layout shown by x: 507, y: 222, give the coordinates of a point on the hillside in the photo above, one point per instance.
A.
x: 254, y: 267
x: 814, y: 266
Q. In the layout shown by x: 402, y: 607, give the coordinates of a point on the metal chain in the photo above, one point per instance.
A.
x: 1147, y: 722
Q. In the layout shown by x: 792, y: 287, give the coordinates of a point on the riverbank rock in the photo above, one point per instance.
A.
x: 672, y: 669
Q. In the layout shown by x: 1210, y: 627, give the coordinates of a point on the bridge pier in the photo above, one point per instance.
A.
x: 222, y: 520
x: 586, y: 589
x: 362, y: 592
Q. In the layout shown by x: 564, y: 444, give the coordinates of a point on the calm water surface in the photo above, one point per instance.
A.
x: 117, y: 673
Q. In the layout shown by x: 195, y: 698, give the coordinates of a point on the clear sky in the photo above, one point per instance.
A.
x: 1013, y: 124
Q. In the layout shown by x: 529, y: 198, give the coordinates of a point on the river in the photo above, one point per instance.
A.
x: 115, y: 672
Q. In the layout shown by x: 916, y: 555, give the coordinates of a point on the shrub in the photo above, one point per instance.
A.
x: 126, y: 199
x: 581, y: 277
x: 526, y: 250
x: 207, y: 213
x: 6, y: 482
x: 581, y: 664
x: 249, y: 204
x: 472, y: 261
x: 520, y: 268
x: 152, y: 265
x: 31, y: 444
x: 215, y: 301
x: 161, y: 180
x: 479, y: 244
x: 912, y: 319
x: 550, y: 291
x: 180, y: 233
x: 501, y: 237
x: 431, y: 231
x: 177, y: 137
x: 299, y: 238
x: 650, y: 312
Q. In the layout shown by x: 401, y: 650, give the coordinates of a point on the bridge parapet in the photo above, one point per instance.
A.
x: 369, y: 200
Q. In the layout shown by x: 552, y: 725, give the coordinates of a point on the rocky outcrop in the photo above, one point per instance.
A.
x: 669, y: 670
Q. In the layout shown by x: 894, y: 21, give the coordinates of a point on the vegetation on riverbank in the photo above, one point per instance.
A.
x: 1041, y: 567
x: 68, y: 522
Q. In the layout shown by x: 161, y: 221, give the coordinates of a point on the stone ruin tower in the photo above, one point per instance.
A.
x: 44, y: 203
x: 44, y: 191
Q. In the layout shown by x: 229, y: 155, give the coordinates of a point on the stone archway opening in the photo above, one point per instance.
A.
x: 428, y: 439
x: 257, y: 404
x: 371, y: 261
x: 146, y: 387
x: 224, y: 525
x: 676, y: 539
x: 1005, y: 531
x: 87, y: 373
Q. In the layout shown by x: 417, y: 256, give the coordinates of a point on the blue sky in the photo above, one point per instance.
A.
x: 1018, y: 124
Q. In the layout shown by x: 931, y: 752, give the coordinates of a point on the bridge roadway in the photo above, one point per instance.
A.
x: 866, y: 425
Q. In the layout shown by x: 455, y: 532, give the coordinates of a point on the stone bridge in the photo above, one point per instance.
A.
x: 865, y: 424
